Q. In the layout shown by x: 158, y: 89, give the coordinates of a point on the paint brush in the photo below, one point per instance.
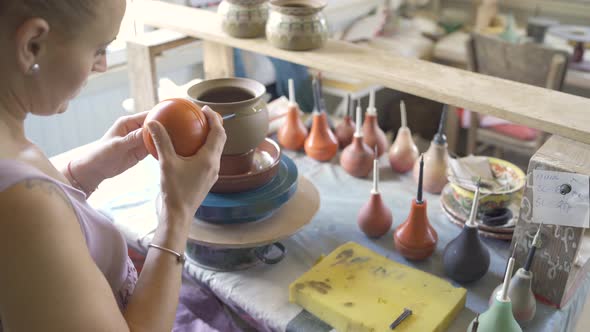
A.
x: 420, y: 176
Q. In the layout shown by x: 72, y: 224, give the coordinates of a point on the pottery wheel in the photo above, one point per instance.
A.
x: 286, y: 221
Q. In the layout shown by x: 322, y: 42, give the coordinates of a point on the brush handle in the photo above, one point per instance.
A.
x: 372, y: 100
x: 507, y: 276
x: 291, y: 91
x: 349, y: 106
x: 402, y: 107
x: 474, y: 207
x: 375, y: 176
x: 536, y: 244
x: 420, y: 177
x: 475, y: 324
x: 322, y: 103
x: 359, y: 121
x: 529, y: 259
x: 316, y: 96
x: 443, y: 120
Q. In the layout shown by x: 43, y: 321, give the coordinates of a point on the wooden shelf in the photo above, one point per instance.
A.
x: 551, y: 111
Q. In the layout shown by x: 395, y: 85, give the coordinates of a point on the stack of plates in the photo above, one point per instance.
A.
x: 253, y: 205
x: 237, y: 228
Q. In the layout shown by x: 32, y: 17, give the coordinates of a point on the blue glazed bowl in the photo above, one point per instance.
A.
x: 254, y: 205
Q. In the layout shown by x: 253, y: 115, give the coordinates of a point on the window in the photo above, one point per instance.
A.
x: 116, y: 54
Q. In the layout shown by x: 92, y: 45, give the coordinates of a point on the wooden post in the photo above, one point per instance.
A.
x: 486, y: 12
x: 218, y: 60
x: 141, y: 59
x: 142, y: 76
x: 556, y: 275
x: 472, y: 134
x: 453, y: 127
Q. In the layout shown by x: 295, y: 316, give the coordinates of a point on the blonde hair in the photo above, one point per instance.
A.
x: 66, y: 15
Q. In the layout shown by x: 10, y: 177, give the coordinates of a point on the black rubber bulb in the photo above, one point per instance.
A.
x: 466, y: 258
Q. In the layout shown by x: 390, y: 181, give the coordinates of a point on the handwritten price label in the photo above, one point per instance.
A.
x: 561, y: 198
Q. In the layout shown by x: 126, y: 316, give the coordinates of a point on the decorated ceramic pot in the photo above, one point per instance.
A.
x: 236, y: 95
x: 506, y: 173
x: 243, y: 18
x: 297, y: 25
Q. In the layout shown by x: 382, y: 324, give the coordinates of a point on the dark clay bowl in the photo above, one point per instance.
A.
x: 263, y: 168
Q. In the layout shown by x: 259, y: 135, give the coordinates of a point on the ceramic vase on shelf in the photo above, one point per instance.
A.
x: 297, y: 25
x: 244, y: 18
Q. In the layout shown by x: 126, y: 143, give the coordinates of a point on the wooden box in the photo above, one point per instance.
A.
x: 555, y: 272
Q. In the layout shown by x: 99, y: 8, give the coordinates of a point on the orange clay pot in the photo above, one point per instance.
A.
x: 292, y: 133
x: 416, y: 239
x: 321, y: 143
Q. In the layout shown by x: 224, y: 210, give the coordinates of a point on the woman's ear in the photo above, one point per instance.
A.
x: 31, y: 42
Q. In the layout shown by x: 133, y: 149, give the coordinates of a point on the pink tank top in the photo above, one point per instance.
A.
x: 105, y: 243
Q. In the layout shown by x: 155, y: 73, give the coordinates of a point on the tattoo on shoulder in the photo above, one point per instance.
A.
x: 49, y: 188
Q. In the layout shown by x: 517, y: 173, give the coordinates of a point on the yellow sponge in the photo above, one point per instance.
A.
x: 355, y: 289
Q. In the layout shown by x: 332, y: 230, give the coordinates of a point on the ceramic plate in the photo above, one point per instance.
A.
x: 459, y: 215
x: 461, y: 223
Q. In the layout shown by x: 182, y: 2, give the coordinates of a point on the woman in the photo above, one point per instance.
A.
x: 63, y: 266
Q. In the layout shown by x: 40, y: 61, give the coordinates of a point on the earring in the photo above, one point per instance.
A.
x: 34, y: 68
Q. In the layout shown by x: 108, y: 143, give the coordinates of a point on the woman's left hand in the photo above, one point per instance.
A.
x: 119, y: 149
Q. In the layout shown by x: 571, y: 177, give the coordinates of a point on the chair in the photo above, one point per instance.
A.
x: 526, y: 63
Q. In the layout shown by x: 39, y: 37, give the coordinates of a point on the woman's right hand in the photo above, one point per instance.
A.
x: 186, y: 181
